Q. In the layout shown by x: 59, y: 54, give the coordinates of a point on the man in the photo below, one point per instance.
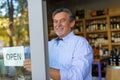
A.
x: 70, y: 56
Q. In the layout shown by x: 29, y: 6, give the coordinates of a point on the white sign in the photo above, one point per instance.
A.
x: 13, y: 56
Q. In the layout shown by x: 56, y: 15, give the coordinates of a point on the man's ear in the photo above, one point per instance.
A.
x: 72, y: 24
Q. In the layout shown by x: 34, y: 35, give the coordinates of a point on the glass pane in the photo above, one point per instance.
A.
x: 14, y: 39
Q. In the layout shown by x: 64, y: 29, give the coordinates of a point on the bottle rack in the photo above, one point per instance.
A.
x: 103, y: 30
x: 96, y: 25
x: 79, y: 27
x: 115, y: 30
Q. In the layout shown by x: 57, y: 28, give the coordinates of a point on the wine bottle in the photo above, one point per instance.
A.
x: 100, y: 50
x: 119, y: 57
x: 111, y: 58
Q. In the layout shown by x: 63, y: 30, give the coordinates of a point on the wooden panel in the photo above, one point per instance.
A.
x: 114, y: 10
x: 112, y: 74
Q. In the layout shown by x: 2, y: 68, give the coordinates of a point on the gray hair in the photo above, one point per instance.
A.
x: 64, y: 10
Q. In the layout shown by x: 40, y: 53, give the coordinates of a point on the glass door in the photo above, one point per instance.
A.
x: 14, y: 39
x: 38, y: 39
x: 23, y: 34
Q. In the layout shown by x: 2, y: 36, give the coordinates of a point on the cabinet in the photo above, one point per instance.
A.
x: 115, y: 30
x: 104, y: 30
x: 79, y: 27
x: 96, y: 31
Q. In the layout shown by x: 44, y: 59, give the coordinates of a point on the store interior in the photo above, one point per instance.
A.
x: 99, y: 22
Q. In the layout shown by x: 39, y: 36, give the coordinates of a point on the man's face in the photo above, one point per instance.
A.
x: 62, y: 24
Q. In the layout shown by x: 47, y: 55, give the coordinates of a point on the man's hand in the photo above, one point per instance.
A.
x: 55, y: 74
x: 27, y: 64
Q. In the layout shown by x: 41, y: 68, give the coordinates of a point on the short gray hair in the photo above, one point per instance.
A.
x: 71, y: 16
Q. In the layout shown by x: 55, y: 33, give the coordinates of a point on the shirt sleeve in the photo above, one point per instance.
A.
x: 81, y: 63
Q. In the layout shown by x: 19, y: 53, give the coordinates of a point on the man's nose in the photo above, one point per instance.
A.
x: 58, y: 23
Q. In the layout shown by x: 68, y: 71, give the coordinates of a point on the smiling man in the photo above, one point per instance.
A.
x: 70, y: 56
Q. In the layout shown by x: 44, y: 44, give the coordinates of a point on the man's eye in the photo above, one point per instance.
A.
x: 55, y: 21
x: 62, y: 20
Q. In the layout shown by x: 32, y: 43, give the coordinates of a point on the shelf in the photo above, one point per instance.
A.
x: 116, y: 44
x: 115, y: 29
x: 114, y: 15
x: 79, y: 33
x: 97, y: 31
x: 52, y: 35
x: 79, y: 20
x: 114, y: 67
x: 103, y: 44
x: 97, y: 17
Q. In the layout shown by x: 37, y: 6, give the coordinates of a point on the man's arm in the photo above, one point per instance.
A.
x: 55, y: 74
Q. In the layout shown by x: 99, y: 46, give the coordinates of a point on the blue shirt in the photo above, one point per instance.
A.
x: 73, y: 56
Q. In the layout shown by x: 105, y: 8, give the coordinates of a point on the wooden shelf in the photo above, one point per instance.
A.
x: 78, y: 20
x: 97, y: 31
x: 97, y: 17
x: 116, y: 44
x: 52, y: 35
x: 115, y: 29
x: 103, y: 44
x: 100, y: 58
x: 79, y: 33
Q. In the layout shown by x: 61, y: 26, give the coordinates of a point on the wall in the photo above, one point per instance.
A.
x: 98, y: 4
x: 85, y: 4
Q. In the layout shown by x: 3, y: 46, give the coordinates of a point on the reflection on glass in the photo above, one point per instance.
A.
x: 27, y: 52
x: 14, y: 72
x: 14, y: 31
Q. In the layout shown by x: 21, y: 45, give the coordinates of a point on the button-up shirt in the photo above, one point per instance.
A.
x: 72, y: 56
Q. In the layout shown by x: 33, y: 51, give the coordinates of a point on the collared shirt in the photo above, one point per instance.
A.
x: 72, y: 56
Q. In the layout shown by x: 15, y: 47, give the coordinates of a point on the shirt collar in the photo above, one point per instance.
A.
x: 66, y: 37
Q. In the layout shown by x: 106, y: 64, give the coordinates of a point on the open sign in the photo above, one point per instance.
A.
x: 13, y: 56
